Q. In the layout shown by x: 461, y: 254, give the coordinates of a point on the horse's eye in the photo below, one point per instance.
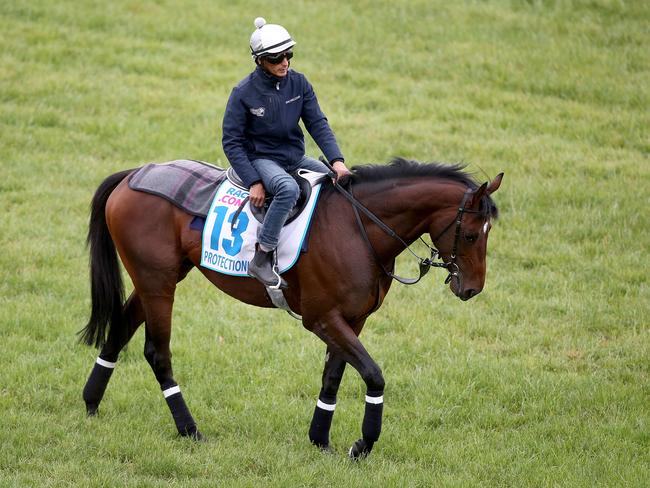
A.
x: 471, y: 237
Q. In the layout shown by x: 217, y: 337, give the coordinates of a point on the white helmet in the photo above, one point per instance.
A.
x: 269, y: 39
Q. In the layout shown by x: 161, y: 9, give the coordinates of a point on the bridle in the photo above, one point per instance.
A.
x: 452, y: 267
x: 425, y: 264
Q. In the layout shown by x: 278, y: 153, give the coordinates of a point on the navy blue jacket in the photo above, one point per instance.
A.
x: 261, y: 122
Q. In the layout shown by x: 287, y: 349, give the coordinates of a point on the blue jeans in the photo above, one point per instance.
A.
x: 285, y: 191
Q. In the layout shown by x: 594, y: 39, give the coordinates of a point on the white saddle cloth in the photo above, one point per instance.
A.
x: 228, y: 248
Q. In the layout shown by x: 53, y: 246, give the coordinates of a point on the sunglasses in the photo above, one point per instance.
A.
x: 278, y: 58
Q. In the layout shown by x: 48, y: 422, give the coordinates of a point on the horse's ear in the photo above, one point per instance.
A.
x: 476, y: 196
x: 495, y: 184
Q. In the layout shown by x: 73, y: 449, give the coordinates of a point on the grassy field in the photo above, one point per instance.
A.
x: 542, y: 380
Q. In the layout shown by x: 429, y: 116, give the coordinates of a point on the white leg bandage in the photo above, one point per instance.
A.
x: 106, y: 364
x: 171, y: 391
x: 375, y: 400
x: 326, y: 406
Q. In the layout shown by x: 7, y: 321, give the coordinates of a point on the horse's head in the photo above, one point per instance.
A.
x: 463, y: 241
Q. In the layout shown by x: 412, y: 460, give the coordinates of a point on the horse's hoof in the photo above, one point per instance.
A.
x: 91, y: 409
x: 193, y: 433
x: 359, y: 450
x: 325, y: 448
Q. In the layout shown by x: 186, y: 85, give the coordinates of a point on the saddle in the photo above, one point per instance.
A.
x: 260, y: 212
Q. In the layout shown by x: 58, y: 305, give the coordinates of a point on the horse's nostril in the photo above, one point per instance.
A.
x: 469, y: 293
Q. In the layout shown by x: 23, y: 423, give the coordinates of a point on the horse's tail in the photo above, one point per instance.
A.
x: 107, y: 290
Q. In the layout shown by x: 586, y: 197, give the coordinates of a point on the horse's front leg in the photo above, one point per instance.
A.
x: 343, y: 342
x: 319, y: 430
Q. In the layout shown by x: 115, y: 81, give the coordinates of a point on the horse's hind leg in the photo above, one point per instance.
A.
x: 133, y: 316
x: 158, y: 310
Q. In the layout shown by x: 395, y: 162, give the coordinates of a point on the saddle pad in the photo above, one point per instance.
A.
x: 190, y: 185
x: 228, y: 248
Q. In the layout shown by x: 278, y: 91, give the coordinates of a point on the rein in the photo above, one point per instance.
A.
x: 425, y: 264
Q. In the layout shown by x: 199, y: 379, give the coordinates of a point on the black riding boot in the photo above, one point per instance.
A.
x: 262, y: 267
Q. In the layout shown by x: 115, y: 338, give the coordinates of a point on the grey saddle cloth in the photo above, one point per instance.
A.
x: 190, y: 185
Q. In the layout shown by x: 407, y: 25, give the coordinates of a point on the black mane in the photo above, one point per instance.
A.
x: 404, y: 168
x: 401, y: 168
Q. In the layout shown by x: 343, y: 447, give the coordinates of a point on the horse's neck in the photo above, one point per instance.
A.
x: 408, y: 207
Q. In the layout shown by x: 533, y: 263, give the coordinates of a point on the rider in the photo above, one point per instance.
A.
x: 263, y: 142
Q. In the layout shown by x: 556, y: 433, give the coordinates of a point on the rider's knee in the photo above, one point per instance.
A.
x: 287, y: 187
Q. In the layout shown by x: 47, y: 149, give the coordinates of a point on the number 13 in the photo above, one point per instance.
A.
x: 230, y: 246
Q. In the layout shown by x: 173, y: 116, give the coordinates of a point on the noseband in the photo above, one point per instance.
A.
x: 425, y: 264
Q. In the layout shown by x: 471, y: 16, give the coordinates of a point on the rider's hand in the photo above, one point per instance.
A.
x: 341, y: 169
x: 256, y: 194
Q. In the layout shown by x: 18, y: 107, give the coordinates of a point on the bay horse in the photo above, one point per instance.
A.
x: 342, y: 278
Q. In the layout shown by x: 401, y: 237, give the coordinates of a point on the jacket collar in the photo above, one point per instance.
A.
x: 268, y: 80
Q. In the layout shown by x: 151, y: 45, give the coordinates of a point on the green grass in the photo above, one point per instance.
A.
x: 542, y: 380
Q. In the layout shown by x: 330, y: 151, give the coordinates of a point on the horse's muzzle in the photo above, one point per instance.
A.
x: 467, y: 294
x: 456, y: 284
